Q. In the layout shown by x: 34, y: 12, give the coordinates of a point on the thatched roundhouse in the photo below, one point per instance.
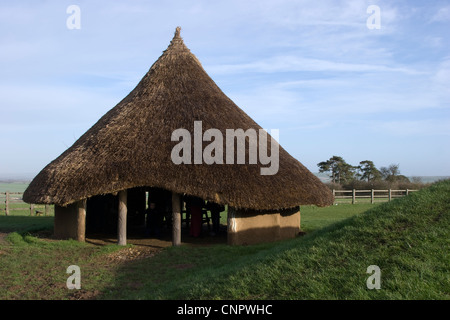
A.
x: 129, y: 149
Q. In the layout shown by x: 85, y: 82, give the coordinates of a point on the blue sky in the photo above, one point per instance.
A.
x: 312, y: 69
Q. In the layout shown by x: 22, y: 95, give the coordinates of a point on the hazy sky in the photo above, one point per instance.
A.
x: 312, y: 69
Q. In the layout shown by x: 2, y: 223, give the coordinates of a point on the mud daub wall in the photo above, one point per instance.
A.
x: 251, y: 227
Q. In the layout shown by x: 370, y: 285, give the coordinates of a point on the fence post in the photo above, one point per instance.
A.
x: 31, y: 209
x: 353, y: 196
x: 7, y: 203
x: 407, y: 191
x: 46, y: 210
x: 372, y: 196
x: 390, y: 195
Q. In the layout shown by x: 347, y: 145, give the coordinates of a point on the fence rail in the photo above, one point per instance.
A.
x: 373, y: 195
x: 13, y: 202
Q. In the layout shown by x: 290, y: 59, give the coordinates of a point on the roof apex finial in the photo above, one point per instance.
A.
x: 177, y: 32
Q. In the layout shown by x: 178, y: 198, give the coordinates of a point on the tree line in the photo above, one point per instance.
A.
x: 365, y: 175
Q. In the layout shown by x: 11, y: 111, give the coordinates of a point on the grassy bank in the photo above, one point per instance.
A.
x: 408, y: 239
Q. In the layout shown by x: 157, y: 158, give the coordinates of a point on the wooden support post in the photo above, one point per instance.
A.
x: 390, y: 195
x: 407, y: 191
x: 31, y: 209
x: 46, y: 210
x: 354, y: 196
x: 231, y: 226
x: 122, y: 219
x: 81, y: 220
x: 372, y: 196
x: 176, y: 219
x: 7, y: 203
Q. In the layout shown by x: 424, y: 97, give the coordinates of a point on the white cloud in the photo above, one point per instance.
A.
x: 442, y: 77
x: 296, y: 63
x: 25, y: 105
x: 442, y: 15
x: 433, y: 41
x: 289, y: 13
x: 416, y: 128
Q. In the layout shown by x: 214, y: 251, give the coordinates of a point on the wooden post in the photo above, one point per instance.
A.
x: 81, y: 220
x: 31, y: 209
x: 390, y: 195
x: 372, y: 196
x: 46, y: 210
x: 231, y: 226
x: 122, y: 219
x: 176, y: 219
x: 354, y: 196
x: 7, y: 203
x: 407, y: 191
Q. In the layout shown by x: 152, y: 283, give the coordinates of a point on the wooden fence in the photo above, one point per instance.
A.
x: 13, y: 202
x: 374, y: 195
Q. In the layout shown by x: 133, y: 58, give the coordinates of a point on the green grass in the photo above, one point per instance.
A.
x: 408, y: 239
x: 314, y: 218
x: 16, y: 202
x: 13, y: 186
x: 23, y: 224
x: 34, y: 269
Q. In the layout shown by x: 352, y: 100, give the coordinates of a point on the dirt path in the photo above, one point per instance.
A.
x: 142, y: 248
x: 147, y: 247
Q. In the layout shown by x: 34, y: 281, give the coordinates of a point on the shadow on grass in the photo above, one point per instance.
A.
x: 22, y: 224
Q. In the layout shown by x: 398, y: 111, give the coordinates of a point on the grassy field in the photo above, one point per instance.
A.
x: 314, y: 218
x: 17, y: 206
x: 13, y: 186
x: 407, y: 238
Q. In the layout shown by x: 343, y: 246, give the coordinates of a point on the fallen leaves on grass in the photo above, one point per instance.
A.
x: 134, y: 253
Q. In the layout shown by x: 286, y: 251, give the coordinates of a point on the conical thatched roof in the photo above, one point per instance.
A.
x: 131, y: 146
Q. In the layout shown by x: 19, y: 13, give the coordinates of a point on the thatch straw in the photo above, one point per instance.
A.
x: 131, y: 146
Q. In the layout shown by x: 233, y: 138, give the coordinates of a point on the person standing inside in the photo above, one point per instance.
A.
x: 215, y: 209
x: 195, y: 205
x: 154, y: 220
